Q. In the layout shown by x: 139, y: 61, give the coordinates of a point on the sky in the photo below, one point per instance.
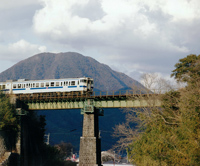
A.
x: 131, y: 36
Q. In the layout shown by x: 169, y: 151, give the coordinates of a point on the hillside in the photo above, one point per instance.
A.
x: 68, y: 65
x: 66, y: 125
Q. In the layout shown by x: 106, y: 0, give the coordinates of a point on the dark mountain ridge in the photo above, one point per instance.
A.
x: 68, y: 65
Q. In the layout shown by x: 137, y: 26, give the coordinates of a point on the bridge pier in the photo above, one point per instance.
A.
x: 21, y: 109
x: 90, y: 142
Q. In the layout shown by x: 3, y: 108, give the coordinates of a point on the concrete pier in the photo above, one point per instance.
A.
x: 90, y: 143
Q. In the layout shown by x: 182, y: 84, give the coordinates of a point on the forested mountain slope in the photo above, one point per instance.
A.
x: 68, y: 65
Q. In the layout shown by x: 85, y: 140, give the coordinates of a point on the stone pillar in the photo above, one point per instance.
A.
x: 90, y: 144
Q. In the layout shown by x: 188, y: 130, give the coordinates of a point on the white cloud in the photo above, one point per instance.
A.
x: 19, y: 50
x: 179, y: 9
x: 122, y: 20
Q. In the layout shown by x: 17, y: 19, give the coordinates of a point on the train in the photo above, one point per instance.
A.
x: 82, y: 85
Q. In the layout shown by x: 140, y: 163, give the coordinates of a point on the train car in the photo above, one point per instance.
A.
x: 22, y: 86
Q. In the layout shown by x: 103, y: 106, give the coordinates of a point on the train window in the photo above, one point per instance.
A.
x: 69, y: 83
x: 61, y: 84
x: 42, y: 84
x: 47, y: 84
x: 57, y: 83
x: 52, y: 83
x: 26, y: 85
x: 83, y: 81
x: 37, y: 85
x: 78, y: 82
x: 65, y: 83
x: 19, y: 86
x: 33, y: 85
x: 73, y: 83
x: 14, y: 86
x: 2, y: 86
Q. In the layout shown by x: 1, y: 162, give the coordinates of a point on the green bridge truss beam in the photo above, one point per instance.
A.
x: 104, y: 103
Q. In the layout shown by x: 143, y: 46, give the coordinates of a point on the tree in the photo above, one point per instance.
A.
x: 65, y: 149
x: 187, y: 69
x: 143, y: 117
x: 107, y: 156
x: 170, y: 135
x: 8, y: 120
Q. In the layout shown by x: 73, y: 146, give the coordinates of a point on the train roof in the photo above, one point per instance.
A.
x: 60, y: 79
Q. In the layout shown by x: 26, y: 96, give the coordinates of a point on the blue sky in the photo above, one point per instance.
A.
x: 131, y: 36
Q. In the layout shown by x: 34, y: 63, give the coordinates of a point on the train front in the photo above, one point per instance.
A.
x: 90, y: 85
x: 86, y: 85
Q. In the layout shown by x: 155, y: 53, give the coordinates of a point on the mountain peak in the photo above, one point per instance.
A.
x: 68, y: 65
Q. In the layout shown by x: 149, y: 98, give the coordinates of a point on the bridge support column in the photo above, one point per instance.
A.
x: 20, y: 111
x: 90, y: 143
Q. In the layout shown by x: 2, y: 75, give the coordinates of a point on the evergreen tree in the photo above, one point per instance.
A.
x: 9, y: 123
x: 8, y: 120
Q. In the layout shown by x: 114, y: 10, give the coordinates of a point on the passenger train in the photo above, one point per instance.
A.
x: 82, y: 86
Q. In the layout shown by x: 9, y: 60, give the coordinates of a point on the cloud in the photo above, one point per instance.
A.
x: 19, y: 50
x: 17, y: 16
x: 76, y: 16
x: 120, y: 24
x: 11, y: 4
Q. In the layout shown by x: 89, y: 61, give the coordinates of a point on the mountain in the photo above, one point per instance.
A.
x: 66, y: 125
x: 68, y: 65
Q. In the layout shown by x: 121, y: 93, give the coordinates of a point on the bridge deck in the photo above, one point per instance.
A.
x: 125, y: 99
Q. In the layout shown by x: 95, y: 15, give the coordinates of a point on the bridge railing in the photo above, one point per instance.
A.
x: 96, y: 94
x: 128, y: 92
x: 113, y: 93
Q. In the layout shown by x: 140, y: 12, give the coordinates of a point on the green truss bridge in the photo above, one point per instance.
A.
x: 108, y: 99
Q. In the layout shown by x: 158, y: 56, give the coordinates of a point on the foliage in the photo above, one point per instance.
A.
x: 170, y: 135
x: 107, y: 156
x: 55, y: 157
x: 8, y: 119
x: 52, y: 156
x: 187, y: 69
x: 33, y: 129
x: 65, y: 149
x: 9, y: 123
x: 37, y: 151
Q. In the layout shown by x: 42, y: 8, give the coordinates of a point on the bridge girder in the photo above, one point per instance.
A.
x: 104, y: 103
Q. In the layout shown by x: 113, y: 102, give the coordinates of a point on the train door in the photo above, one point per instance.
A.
x: 8, y: 87
x: 2, y: 87
x: 89, y: 85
